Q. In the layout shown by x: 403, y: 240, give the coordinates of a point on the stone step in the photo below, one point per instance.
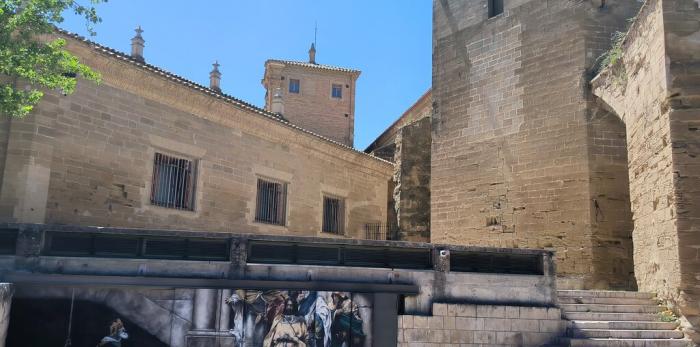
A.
x: 606, y: 301
x: 604, y: 294
x: 627, y: 334
x: 623, y: 325
x: 599, y: 316
x: 625, y: 343
x: 610, y: 308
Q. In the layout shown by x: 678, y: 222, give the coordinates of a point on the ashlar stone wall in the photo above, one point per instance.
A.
x: 653, y: 90
x: 87, y: 158
x: 521, y: 156
x: 465, y: 325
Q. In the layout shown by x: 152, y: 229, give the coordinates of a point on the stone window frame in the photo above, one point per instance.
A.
x: 270, y: 174
x: 339, y: 88
x: 290, y: 90
x: 285, y: 184
x: 343, y: 225
x: 179, y: 149
x: 187, y: 202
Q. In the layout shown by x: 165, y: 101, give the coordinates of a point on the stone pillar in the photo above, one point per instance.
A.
x: 27, y: 169
x: 204, y: 313
x: 6, y: 292
x: 203, y: 333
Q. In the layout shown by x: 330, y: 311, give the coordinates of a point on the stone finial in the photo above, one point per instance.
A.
x: 215, y: 78
x: 137, y: 44
x: 277, y: 102
x: 312, y: 54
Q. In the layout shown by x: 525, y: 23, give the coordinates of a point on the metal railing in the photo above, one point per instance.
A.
x: 380, y: 231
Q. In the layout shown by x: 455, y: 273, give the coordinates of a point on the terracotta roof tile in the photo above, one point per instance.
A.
x: 314, y: 66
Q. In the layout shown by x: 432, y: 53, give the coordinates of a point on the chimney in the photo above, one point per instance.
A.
x: 277, y: 102
x: 312, y: 54
x: 215, y: 78
x: 137, y: 44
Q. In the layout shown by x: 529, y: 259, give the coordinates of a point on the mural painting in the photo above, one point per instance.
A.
x: 275, y: 318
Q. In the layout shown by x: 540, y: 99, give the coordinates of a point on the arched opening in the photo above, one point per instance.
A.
x: 611, y: 215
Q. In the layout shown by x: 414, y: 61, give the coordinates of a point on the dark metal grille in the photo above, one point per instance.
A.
x: 271, y: 206
x: 379, y: 231
x: 8, y: 241
x: 336, y: 255
x: 495, y: 7
x: 173, y: 182
x: 523, y: 264
x: 333, y: 215
x: 126, y: 246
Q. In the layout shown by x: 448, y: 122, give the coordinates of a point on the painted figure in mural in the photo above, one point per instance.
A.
x: 275, y: 318
x: 117, y: 333
x: 288, y: 329
x: 346, y: 328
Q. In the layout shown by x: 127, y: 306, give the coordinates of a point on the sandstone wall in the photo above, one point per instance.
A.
x: 87, y: 159
x: 462, y: 325
x: 412, y: 177
x: 653, y: 89
x: 514, y: 160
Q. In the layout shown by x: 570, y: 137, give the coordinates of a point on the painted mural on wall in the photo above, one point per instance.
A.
x: 277, y: 318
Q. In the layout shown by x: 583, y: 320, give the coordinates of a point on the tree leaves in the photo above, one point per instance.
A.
x: 29, y: 61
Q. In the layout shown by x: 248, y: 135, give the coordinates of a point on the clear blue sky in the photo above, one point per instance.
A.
x: 389, y: 40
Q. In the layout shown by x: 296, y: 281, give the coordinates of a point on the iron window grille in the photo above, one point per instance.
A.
x: 333, y: 215
x: 271, y: 205
x: 337, y: 91
x: 294, y: 86
x: 495, y: 7
x: 173, y: 182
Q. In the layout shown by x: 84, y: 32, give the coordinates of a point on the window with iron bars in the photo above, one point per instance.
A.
x: 271, y: 205
x: 173, y: 182
x: 333, y: 215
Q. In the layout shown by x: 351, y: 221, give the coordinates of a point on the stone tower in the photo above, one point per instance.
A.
x: 521, y: 154
x: 319, y: 98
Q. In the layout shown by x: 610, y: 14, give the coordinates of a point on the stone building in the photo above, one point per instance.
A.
x: 147, y: 148
x: 522, y: 156
x: 406, y: 143
x: 316, y: 97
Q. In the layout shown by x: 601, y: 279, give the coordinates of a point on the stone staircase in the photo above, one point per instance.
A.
x: 616, y: 319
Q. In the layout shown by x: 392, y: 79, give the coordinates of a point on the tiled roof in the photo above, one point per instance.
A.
x: 198, y: 87
x: 314, y: 66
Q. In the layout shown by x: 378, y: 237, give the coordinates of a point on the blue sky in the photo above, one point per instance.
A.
x: 389, y: 40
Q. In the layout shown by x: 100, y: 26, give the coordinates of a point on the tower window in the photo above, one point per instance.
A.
x: 495, y: 7
x: 294, y: 86
x: 337, y: 91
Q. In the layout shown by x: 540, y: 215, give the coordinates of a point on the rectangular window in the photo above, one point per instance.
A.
x: 294, y: 86
x: 271, y: 206
x: 333, y: 215
x: 337, y: 91
x: 173, y: 182
x: 495, y: 7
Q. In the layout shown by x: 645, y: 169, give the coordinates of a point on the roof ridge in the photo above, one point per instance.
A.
x: 194, y: 85
x: 315, y: 65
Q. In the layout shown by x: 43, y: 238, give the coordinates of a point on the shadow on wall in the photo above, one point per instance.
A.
x: 44, y: 322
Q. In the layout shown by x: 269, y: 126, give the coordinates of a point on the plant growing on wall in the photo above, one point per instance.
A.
x: 30, y: 62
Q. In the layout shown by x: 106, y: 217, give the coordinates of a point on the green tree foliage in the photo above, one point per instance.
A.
x: 29, y: 60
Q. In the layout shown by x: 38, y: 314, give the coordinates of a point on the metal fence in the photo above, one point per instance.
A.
x: 379, y: 231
